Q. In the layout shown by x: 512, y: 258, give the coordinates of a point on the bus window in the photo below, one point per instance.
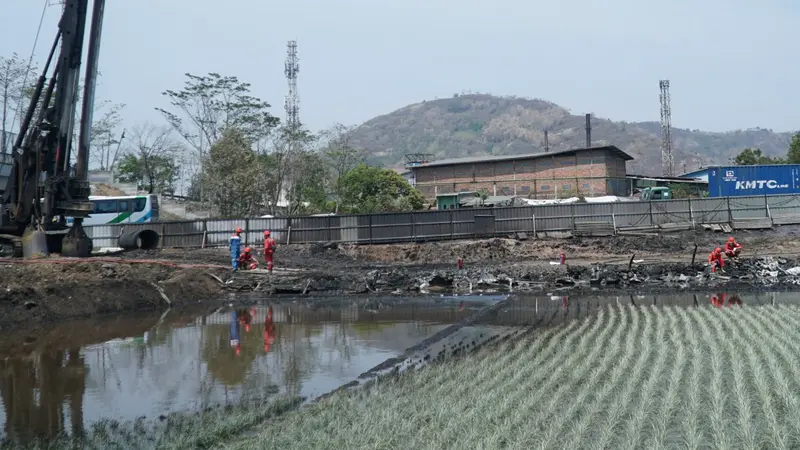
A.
x: 123, y: 206
x: 105, y: 206
x: 139, y: 204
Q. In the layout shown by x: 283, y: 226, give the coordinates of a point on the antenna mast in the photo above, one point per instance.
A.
x: 292, y: 102
x: 667, y: 159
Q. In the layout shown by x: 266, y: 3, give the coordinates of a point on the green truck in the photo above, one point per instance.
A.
x: 655, y: 193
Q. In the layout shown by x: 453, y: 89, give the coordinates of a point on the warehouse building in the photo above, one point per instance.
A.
x: 593, y: 171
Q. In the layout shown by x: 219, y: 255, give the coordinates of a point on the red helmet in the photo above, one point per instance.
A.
x: 247, y: 250
x: 238, y: 229
x: 717, y: 250
x: 266, y: 233
x: 731, y: 239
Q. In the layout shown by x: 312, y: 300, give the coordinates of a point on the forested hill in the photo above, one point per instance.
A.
x: 479, y: 124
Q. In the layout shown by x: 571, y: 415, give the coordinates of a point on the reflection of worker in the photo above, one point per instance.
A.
x: 236, y: 245
x: 735, y: 300
x: 732, y: 248
x: 269, y: 330
x: 235, y: 343
x: 715, y: 260
x: 718, y: 300
x: 246, y: 318
x: 269, y: 249
x: 247, y: 261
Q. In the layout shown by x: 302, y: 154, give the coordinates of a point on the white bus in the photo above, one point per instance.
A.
x: 122, y: 209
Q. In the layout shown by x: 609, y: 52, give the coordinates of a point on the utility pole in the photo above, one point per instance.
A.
x: 667, y: 158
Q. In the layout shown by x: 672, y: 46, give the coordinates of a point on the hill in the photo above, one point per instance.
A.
x: 480, y: 124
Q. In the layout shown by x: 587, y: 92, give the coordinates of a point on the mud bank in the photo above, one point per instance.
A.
x: 57, y: 289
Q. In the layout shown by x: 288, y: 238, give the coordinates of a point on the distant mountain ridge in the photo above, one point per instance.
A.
x: 482, y: 124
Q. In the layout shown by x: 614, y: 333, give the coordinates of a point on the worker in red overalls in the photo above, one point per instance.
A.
x: 715, y: 260
x: 269, y: 249
x: 247, y: 261
x: 269, y: 330
x: 732, y: 248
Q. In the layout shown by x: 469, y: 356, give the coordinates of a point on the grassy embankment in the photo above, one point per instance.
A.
x: 628, y: 378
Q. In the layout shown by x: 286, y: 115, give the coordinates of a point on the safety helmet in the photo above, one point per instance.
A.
x: 238, y: 229
x: 247, y: 250
x: 717, y: 250
x: 266, y: 232
x: 731, y: 239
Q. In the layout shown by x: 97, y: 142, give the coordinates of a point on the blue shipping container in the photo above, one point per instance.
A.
x: 739, y: 181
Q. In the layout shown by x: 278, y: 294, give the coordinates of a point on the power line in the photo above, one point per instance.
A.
x: 30, y: 63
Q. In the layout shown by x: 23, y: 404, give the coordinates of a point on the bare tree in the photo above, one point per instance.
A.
x: 14, y: 76
x: 105, y: 148
x: 150, y: 160
x: 341, y: 155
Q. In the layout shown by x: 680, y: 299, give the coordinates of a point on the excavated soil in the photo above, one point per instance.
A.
x: 58, y: 289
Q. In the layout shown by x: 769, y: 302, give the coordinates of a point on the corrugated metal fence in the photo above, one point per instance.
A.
x: 468, y: 223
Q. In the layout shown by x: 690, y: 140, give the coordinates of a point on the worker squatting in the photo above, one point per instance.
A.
x: 245, y: 260
x: 732, y: 250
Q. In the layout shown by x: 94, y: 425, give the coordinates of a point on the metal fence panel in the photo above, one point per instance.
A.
x: 310, y: 229
x: 187, y: 234
x: 672, y: 211
x: 748, y: 207
x: 514, y: 219
x: 433, y: 225
x: 464, y: 222
x: 783, y: 205
x: 710, y: 210
x: 632, y: 214
x: 349, y: 231
x: 553, y: 218
x: 392, y: 227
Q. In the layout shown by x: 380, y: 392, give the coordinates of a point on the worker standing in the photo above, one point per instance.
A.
x: 247, y: 261
x: 269, y: 249
x: 715, y: 260
x: 732, y: 248
x: 236, y: 245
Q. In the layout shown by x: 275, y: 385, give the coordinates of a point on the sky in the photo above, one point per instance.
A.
x: 731, y: 63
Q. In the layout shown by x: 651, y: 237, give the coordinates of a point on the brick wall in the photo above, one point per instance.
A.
x: 584, y: 173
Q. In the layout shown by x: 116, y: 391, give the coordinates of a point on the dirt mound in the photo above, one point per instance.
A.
x: 106, y: 190
x: 59, y: 289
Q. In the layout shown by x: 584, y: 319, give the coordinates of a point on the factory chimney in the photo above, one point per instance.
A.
x: 588, y: 130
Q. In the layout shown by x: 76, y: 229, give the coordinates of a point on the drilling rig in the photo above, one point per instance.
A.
x: 43, y: 187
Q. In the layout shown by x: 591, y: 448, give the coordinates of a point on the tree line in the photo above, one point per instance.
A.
x: 221, y: 144
x: 754, y: 156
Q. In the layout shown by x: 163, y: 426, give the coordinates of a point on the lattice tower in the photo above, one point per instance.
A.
x: 292, y: 102
x: 667, y: 158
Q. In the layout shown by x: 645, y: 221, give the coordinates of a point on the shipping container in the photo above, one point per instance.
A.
x: 737, y: 181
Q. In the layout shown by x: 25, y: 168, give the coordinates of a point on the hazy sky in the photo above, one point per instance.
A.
x: 731, y: 63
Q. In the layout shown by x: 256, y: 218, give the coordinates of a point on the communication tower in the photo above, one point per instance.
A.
x: 667, y: 159
x: 292, y: 102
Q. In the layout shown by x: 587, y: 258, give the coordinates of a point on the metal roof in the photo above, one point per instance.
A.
x: 661, y: 178
x: 480, y: 159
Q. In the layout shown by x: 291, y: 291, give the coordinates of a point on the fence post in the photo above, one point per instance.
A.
x: 163, y: 234
x: 533, y: 220
x: 730, y: 213
x: 691, y: 212
x: 369, y: 227
x: 246, y: 231
x: 413, y: 231
x: 650, y: 203
x: 452, y: 225
x: 330, y: 232
x: 205, y: 234
x: 766, y: 205
x: 289, y: 230
x: 572, y: 213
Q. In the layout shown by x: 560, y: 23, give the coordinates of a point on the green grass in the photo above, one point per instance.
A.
x: 177, y: 431
x: 628, y: 378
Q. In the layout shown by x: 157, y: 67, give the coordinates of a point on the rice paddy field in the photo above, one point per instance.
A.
x: 626, y: 377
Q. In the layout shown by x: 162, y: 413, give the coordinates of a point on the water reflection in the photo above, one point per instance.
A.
x: 65, y: 378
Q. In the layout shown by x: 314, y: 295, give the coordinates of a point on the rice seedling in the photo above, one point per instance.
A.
x: 631, y: 377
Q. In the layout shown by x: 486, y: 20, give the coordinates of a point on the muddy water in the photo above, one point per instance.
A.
x: 67, y: 377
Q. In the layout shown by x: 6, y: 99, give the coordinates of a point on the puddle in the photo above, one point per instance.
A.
x: 67, y: 377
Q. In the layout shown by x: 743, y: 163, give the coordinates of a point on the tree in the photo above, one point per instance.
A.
x: 282, y: 167
x: 367, y: 189
x: 209, y: 105
x: 150, y: 162
x: 753, y: 157
x: 105, y: 143
x: 793, y: 155
x: 342, y: 157
x: 232, y: 176
x: 14, y: 78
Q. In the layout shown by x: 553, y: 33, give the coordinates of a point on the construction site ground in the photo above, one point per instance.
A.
x: 59, y: 288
